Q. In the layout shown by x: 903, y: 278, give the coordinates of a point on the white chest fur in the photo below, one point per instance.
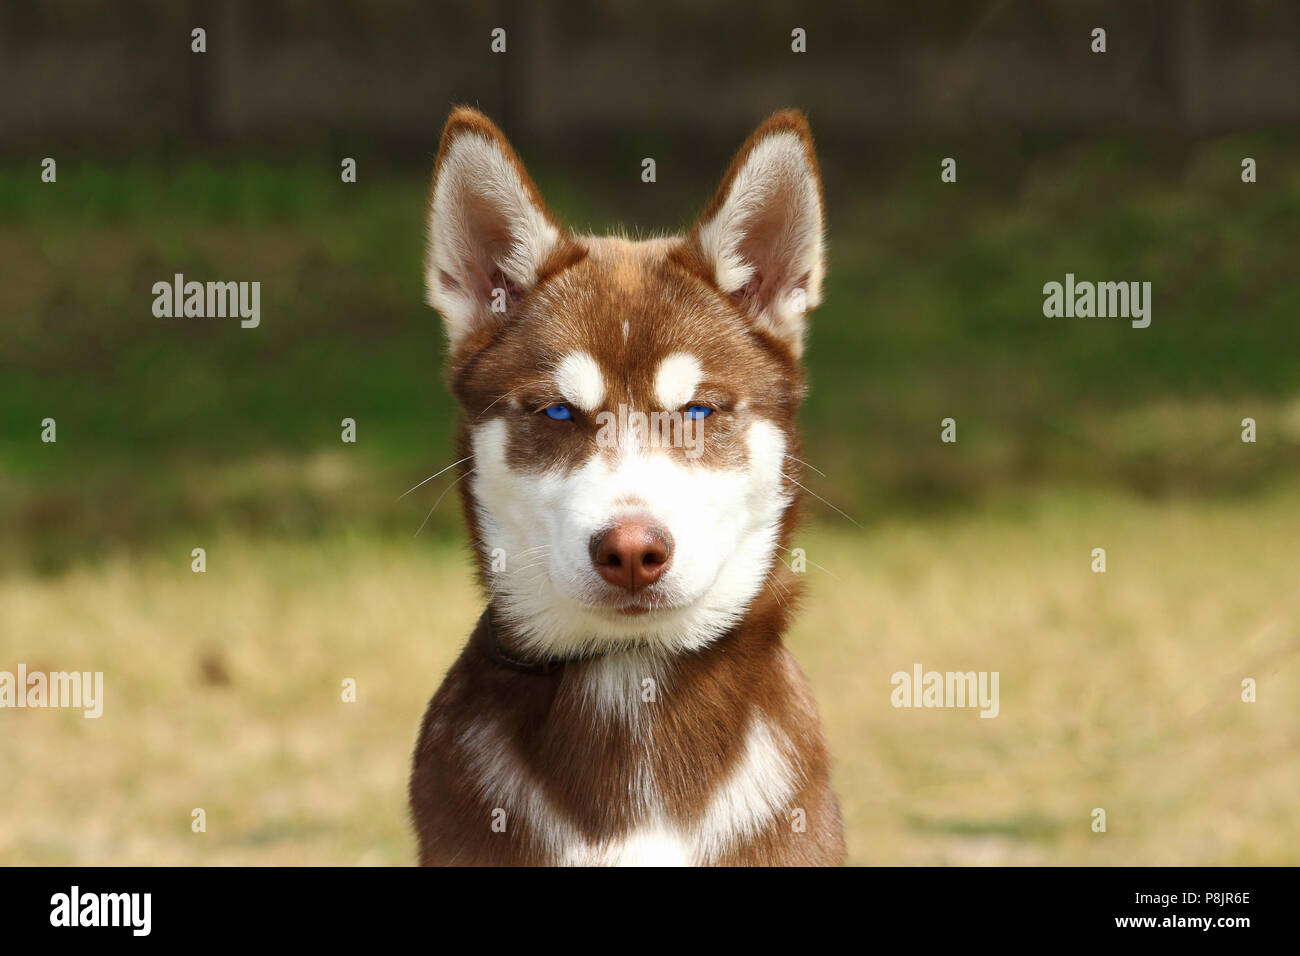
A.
x: 654, y: 845
x: 755, y: 794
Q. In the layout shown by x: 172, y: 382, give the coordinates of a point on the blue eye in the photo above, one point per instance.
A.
x: 699, y: 411
x: 560, y: 413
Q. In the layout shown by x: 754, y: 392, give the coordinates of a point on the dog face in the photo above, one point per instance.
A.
x: 628, y: 406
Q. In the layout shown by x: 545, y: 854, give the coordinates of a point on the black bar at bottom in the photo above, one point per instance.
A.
x: 333, y: 906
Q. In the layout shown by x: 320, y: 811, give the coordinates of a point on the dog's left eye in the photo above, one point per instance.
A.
x: 560, y: 413
x: 699, y: 411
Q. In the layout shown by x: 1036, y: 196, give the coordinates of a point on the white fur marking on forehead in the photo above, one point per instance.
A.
x: 678, y: 377
x: 579, y: 380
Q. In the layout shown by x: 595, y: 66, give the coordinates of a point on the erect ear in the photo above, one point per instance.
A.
x: 490, y: 236
x: 761, y: 237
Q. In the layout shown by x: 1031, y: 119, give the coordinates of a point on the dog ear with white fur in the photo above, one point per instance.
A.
x: 491, y: 238
x: 761, y: 239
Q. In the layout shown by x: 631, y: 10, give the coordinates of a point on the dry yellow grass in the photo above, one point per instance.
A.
x: 1120, y: 691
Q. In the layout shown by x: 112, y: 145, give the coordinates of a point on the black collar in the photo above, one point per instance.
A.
x: 498, y: 656
x: 491, y: 643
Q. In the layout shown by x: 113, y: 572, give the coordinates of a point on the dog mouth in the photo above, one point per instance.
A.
x: 642, y: 603
x: 636, y: 605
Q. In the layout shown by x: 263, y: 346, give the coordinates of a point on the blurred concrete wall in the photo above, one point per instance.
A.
x: 280, y: 69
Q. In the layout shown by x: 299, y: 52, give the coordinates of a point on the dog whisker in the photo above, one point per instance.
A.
x: 530, y: 551
x: 806, y: 465
x: 433, y: 476
x: 439, y: 501
x: 813, y: 563
x: 823, y: 501
x: 506, y: 395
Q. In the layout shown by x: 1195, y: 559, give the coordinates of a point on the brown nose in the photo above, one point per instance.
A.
x: 631, y: 555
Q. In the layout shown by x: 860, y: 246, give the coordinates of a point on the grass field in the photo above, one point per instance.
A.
x: 1118, y: 690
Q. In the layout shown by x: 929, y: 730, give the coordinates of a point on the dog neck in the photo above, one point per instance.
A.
x: 494, y: 641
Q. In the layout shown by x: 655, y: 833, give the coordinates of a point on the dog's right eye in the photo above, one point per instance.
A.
x: 559, y: 413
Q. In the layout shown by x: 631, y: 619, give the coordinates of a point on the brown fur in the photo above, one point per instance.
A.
x: 580, y: 759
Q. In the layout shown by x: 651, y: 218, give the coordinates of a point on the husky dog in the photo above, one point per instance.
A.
x: 628, y: 429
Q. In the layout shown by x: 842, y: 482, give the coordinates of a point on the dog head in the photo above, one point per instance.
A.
x: 628, y: 407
